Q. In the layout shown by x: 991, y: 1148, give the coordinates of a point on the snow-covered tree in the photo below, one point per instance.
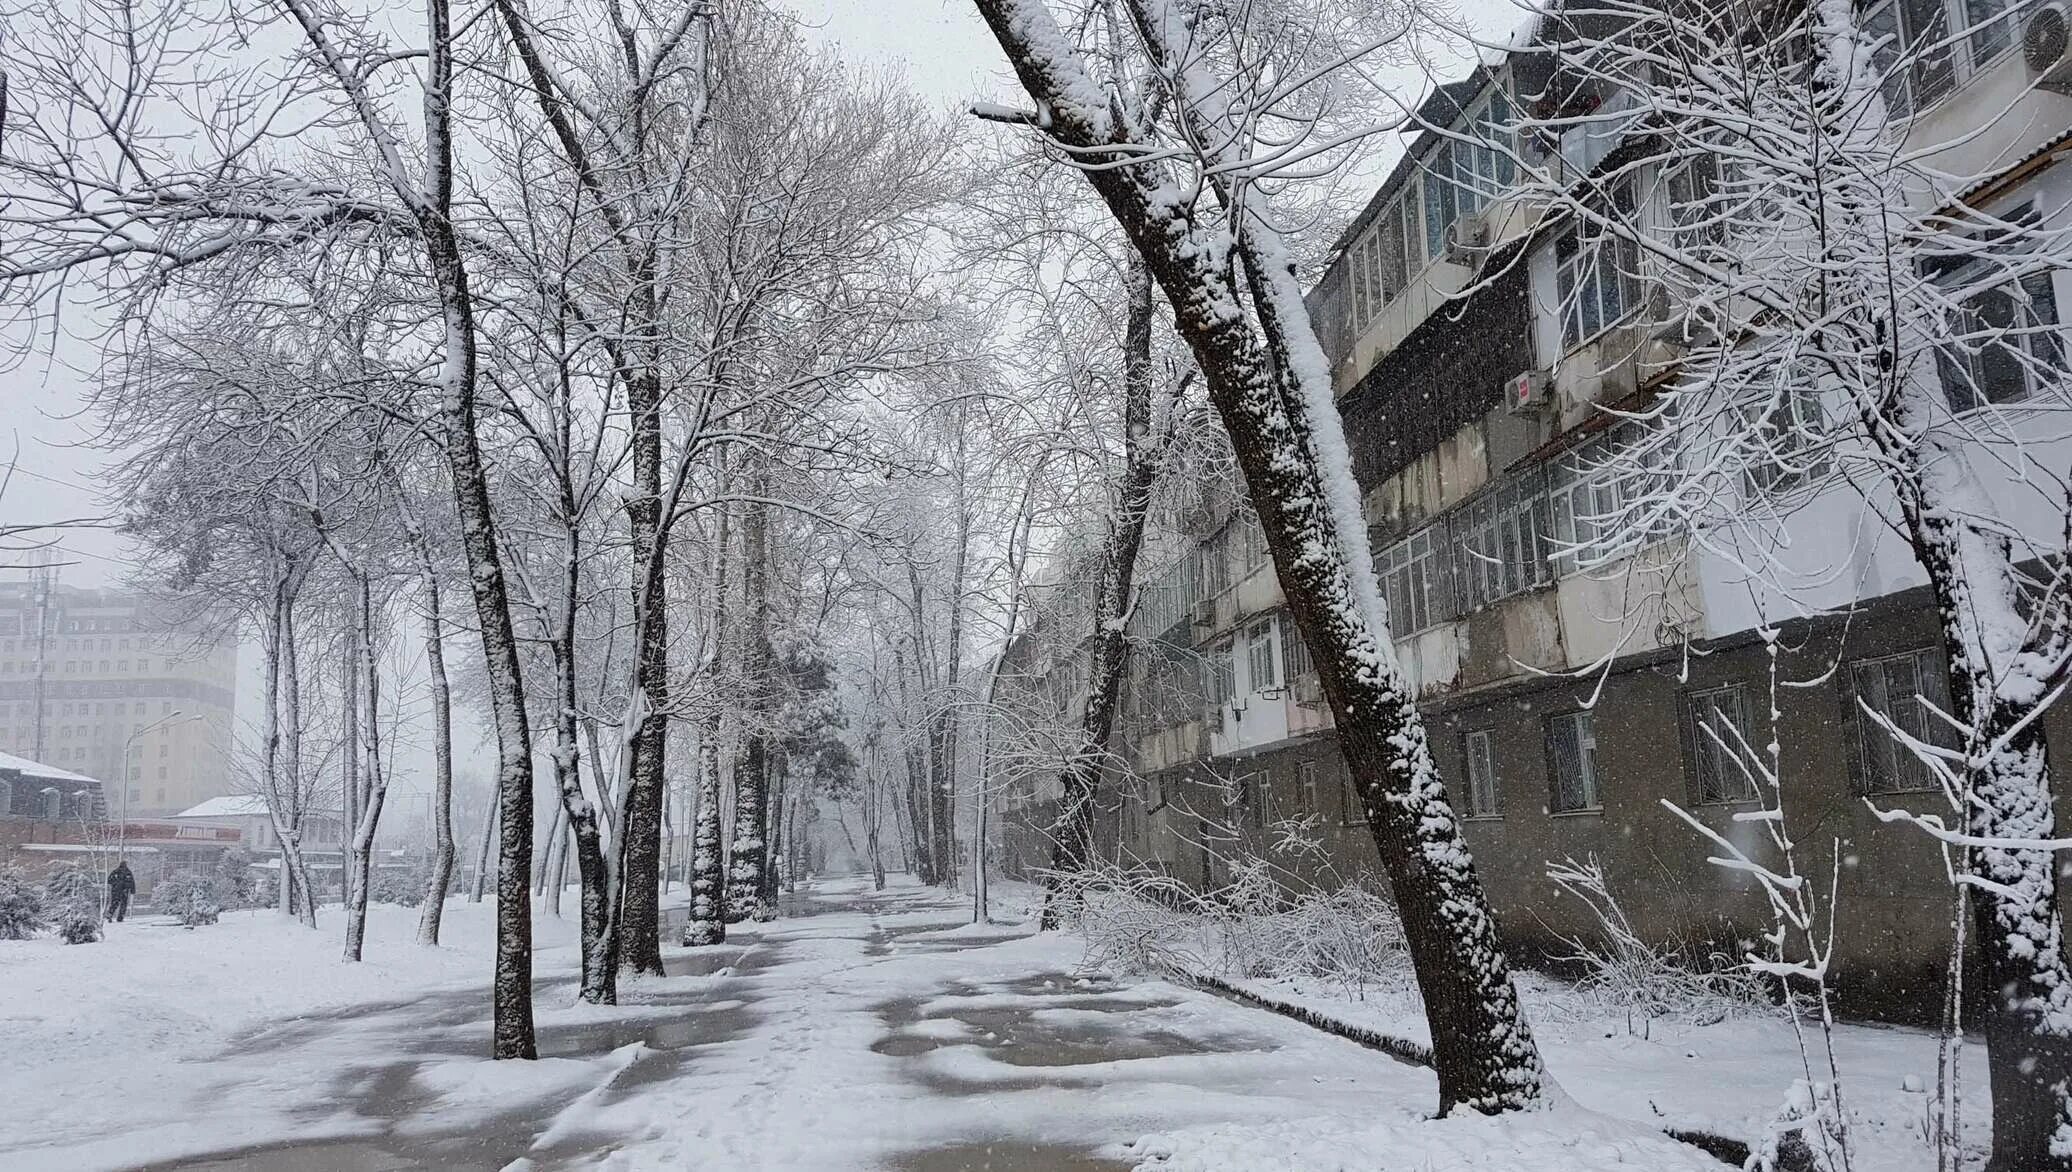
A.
x: 1865, y: 308
x: 21, y: 906
x: 72, y: 899
x: 1246, y: 96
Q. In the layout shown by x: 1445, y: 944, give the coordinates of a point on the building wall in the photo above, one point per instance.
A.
x: 108, y: 669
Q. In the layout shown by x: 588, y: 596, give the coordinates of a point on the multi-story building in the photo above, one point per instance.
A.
x: 97, y: 682
x: 1482, y: 359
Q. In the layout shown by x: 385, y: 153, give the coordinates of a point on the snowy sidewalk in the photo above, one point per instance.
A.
x: 867, y: 1031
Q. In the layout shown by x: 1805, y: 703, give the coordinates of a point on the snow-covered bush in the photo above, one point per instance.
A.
x: 72, y: 896
x: 21, y: 907
x: 236, y: 885
x: 192, y: 898
x: 401, y: 885
x: 1252, y: 928
x: 1625, y: 972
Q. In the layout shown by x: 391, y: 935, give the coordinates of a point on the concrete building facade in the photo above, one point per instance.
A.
x: 1566, y: 705
x: 96, y: 682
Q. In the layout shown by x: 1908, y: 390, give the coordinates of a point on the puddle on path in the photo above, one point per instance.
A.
x: 1006, y: 1156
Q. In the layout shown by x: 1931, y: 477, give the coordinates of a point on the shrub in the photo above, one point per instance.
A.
x: 1653, y: 980
x: 236, y: 886
x: 401, y: 885
x: 72, y: 894
x: 21, y: 907
x: 191, y: 898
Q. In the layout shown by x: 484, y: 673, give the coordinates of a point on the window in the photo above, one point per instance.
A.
x: 2005, y: 345
x: 1221, y: 687
x: 1306, y: 782
x: 1717, y: 743
x: 1595, y: 130
x: 1917, y: 56
x: 1498, y: 543
x: 1414, y: 583
x: 1788, y: 443
x: 1260, y: 658
x: 1380, y: 262
x: 1294, y: 652
x: 1900, y: 688
x: 1572, y: 749
x: 1596, y: 279
x: 1481, y: 756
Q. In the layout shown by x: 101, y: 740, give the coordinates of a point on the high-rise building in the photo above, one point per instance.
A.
x: 97, y: 682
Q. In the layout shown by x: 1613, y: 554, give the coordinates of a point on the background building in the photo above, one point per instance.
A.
x: 93, y: 681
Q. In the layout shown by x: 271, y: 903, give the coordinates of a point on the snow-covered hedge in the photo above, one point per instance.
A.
x: 72, y: 894
x: 21, y: 907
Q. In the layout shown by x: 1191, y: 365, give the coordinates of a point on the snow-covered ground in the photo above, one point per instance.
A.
x: 864, y: 1031
x: 1726, y: 1078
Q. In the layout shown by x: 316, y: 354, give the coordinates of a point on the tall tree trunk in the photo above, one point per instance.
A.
x: 349, y: 756
x: 708, y: 910
x: 305, y: 889
x: 1997, y: 641
x: 751, y: 776
x: 1266, y: 375
x: 282, y: 804
x: 597, y: 935
x: 377, y: 784
x: 441, y: 880
x: 640, y: 839
x: 1072, y: 849
x: 489, y: 823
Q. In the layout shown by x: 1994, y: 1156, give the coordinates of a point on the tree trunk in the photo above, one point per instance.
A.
x: 1072, y: 850
x: 349, y: 755
x: 751, y: 776
x: 1988, y: 629
x: 442, y: 759
x: 377, y: 785
x: 640, y: 838
x: 489, y: 820
x: 1268, y: 379
x: 598, y: 937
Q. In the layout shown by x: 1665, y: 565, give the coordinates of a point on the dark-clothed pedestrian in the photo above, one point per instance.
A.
x: 122, y: 883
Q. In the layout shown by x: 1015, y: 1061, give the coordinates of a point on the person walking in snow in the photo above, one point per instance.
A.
x: 122, y: 883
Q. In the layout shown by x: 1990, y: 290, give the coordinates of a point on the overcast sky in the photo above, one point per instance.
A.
x: 941, y: 46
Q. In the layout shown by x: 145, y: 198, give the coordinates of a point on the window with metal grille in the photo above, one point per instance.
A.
x: 1718, y: 740
x: 1260, y: 658
x: 1413, y: 580
x: 1572, y: 756
x: 1904, y: 689
x: 1479, y: 748
x: 1295, y: 652
x: 1498, y: 542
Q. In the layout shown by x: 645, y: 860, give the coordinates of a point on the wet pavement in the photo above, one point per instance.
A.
x: 857, y: 1033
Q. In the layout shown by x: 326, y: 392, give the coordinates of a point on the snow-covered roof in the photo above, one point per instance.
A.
x: 227, y: 806
x: 39, y: 769
x: 233, y: 806
x: 80, y: 847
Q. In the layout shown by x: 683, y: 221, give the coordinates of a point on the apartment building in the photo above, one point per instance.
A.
x: 97, y: 682
x: 1481, y: 359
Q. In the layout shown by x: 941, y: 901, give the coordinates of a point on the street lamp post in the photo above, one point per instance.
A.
x: 176, y: 716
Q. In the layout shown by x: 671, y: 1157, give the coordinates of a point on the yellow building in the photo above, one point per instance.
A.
x: 94, y: 682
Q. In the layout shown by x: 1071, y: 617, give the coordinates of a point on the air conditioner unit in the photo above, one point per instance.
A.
x: 2047, y: 48
x: 1466, y: 238
x: 1204, y: 613
x: 1309, y: 691
x: 1526, y: 391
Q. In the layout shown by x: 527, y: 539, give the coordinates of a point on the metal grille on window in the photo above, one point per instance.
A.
x: 1717, y: 734
x: 1414, y: 583
x: 1295, y: 652
x: 1481, y: 755
x: 1901, y: 688
x: 1572, y: 746
x: 1498, y: 538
